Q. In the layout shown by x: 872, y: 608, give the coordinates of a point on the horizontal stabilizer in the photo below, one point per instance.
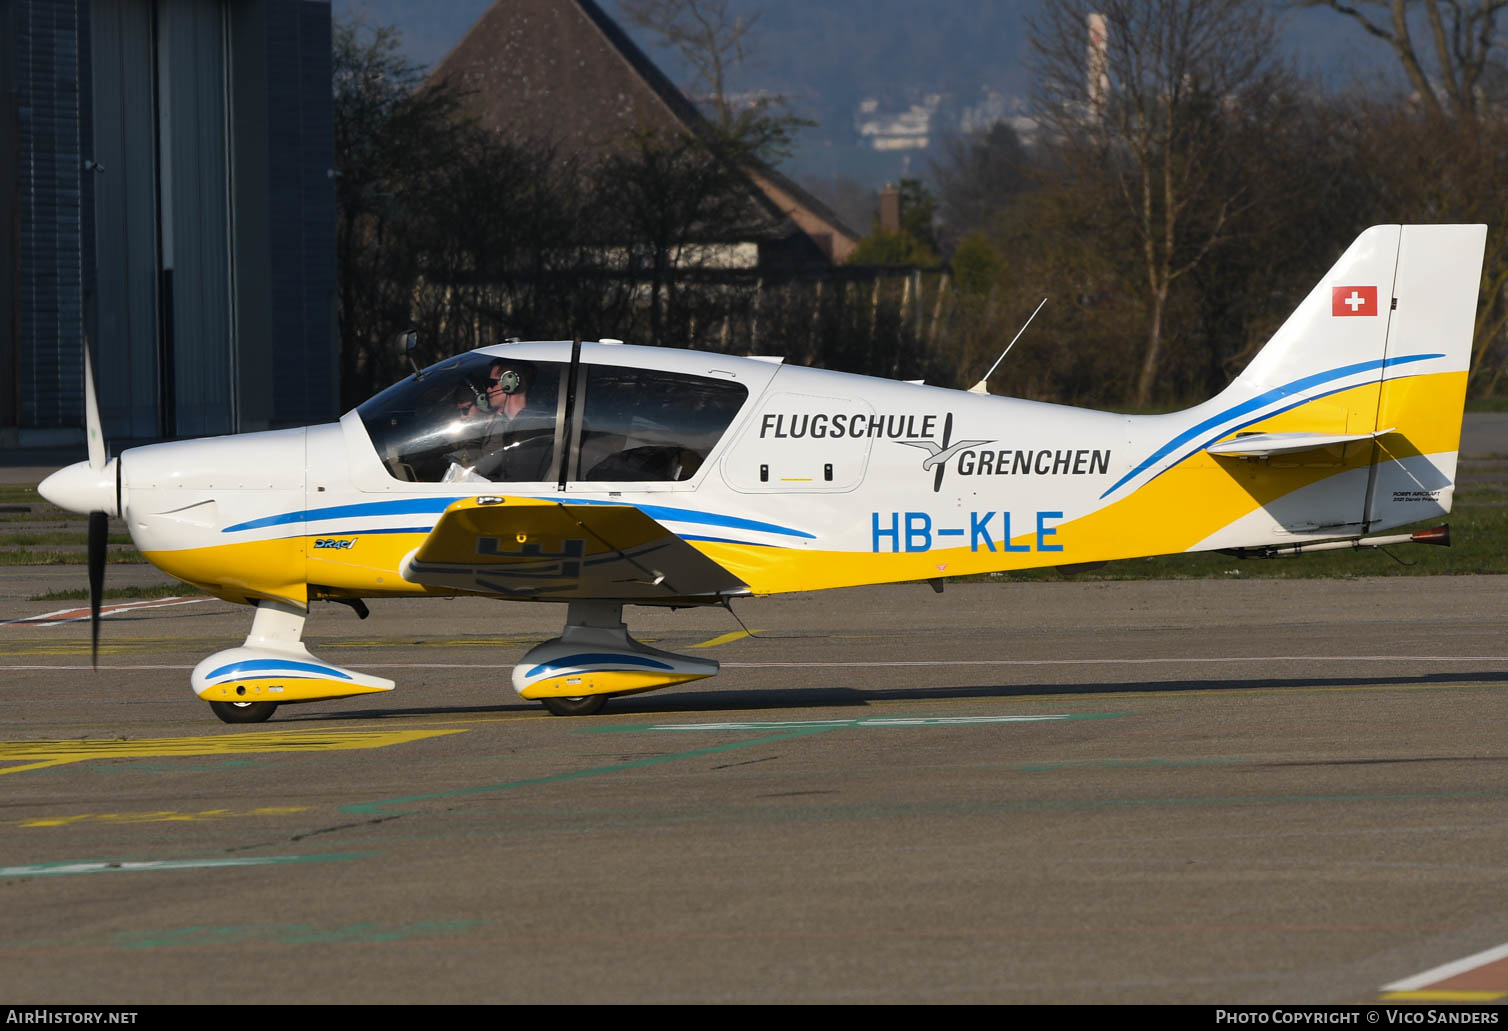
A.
x: 524, y: 548
x: 1265, y: 445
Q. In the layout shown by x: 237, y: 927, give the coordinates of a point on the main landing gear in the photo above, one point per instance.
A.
x: 585, y: 705
x: 594, y: 657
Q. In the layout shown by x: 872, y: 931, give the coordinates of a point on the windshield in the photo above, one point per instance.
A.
x: 473, y: 418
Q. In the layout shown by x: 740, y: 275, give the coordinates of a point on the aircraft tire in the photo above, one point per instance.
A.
x: 586, y: 705
x: 243, y: 712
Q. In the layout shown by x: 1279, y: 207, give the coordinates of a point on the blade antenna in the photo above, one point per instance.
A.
x: 981, y: 387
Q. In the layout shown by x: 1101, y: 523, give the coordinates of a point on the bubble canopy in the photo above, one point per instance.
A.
x: 493, y: 418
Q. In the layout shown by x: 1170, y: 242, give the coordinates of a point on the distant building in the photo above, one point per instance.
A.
x: 563, y: 70
x: 911, y: 129
x: 165, y: 187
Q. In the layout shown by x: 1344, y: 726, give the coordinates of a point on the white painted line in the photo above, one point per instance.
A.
x: 35, y: 669
x: 926, y: 721
x: 1124, y: 662
x: 1208, y: 660
x: 81, y: 615
x: 998, y: 662
x: 1441, y: 973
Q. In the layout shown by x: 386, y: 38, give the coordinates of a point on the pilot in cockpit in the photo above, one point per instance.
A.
x: 515, y: 442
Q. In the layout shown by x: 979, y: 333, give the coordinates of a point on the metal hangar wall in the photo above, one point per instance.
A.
x: 165, y: 188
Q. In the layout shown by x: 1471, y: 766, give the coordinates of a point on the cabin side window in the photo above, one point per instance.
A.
x: 476, y: 418
x: 647, y: 425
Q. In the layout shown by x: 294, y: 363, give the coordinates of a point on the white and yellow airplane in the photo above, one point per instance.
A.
x: 598, y: 475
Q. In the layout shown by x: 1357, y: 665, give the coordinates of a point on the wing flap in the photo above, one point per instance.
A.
x: 1265, y: 445
x: 527, y: 548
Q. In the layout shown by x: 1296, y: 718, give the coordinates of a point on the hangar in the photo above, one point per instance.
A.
x: 166, y: 187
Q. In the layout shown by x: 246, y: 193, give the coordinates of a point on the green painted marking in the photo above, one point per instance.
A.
x: 597, y: 771
x: 137, y: 866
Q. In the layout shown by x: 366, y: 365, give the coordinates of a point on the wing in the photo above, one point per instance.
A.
x: 528, y: 548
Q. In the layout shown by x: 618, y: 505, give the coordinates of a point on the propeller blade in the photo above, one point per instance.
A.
x: 92, y: 432
x: 99, y: 525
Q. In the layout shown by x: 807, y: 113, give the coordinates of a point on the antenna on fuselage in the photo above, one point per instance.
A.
x: 981, y: 387
x: 408, y: 342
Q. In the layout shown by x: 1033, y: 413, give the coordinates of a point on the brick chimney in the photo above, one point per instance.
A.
x: 890, y: 209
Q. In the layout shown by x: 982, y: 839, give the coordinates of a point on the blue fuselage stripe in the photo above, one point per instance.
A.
x: 411, y: 506
x: 365, y: 509
x: 273, y: 667
x: 1262, y: 400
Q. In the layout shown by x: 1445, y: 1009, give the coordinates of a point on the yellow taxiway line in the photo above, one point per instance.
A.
x: 39, y: 754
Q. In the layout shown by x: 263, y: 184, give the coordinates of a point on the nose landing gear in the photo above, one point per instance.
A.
x: 243, y: 712
x: 272, y: 667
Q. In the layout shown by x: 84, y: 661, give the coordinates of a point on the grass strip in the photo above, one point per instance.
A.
x: 118, y: 593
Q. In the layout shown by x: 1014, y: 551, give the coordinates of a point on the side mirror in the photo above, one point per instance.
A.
x: 407, y: 343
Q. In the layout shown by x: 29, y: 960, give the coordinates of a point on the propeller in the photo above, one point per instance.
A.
x: 99, y: 522
x: 98, y: 528
x: 92, y: 488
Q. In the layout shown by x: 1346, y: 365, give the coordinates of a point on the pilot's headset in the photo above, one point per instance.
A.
x: 515, y: 377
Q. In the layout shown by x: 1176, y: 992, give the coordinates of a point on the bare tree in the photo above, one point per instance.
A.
x: 1462, y: 35
x: 714, y: 38
x: 669, y: 203
x: 1440, y: 159
x: 391, y: 137
x: 978, y: 175
x: 1156, y: 109
x: 709, y: 34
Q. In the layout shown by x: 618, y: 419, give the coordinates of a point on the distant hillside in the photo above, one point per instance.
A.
x: 864, y: 47
x: 884, y: 79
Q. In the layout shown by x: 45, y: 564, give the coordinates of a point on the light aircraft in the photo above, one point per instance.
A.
x: 597, y: 475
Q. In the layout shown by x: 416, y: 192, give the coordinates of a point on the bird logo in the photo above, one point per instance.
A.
x: 938, y: 454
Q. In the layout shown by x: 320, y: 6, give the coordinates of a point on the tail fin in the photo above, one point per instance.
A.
x: 1352, y: 412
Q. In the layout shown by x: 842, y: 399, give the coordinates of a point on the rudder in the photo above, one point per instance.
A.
x: 1423, y: 391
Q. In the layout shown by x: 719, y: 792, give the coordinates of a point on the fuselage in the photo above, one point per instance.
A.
x: 790, y: 478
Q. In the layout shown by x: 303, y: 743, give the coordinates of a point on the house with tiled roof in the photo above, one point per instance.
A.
x: 563, y: 71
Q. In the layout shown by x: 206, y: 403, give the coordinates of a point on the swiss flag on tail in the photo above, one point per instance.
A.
x: 1353, y: 300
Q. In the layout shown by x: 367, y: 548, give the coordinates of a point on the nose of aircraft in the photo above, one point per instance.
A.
x: 78, y: 488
